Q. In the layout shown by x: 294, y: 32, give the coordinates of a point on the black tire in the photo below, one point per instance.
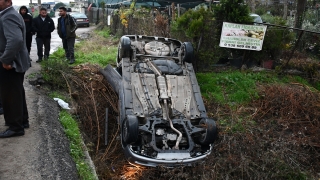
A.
x: 188, y: 55
x: 210, y: 134
x: 130, y: 130
x: 124, y: 48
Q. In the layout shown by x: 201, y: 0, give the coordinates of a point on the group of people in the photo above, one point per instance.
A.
x: 43, y: 26
x: 16, y: 30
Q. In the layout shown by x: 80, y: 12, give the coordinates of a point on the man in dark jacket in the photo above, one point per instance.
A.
x: 28, y: 23
x: 14, y: 62
x: 43, y: 25
x: 67, y: 32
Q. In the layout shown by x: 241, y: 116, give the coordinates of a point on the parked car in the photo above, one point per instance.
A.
x: 162, y: 116
x: 82, y: 19
x: 256, y: 18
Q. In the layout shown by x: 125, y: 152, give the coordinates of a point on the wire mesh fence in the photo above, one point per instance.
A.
x: 281, y: 43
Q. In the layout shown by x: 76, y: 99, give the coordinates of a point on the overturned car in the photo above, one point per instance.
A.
x: 162, y: 115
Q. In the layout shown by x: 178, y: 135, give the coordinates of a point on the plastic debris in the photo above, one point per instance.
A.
x: 62, y: 104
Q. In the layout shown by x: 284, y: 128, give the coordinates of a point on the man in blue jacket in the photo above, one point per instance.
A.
x: 14, y: 62
x: 43, y: 25
x: 67, y: 27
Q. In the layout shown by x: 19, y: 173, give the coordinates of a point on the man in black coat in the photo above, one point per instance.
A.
x: 43, y: 25
x: 67, y: 27
x: 28, y: 23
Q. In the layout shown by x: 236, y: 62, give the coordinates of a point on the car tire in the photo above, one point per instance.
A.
x: 88, y: 25
x: 188, y: 55
x: 210, y: 134
x: 124, y: 48
x: 130, y: 129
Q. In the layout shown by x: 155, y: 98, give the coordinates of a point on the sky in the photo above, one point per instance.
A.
x: 26, y: 2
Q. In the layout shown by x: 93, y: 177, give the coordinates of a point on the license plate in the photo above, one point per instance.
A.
x: 79, y: 19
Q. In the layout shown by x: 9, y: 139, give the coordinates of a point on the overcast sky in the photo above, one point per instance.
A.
x: 26, y: 2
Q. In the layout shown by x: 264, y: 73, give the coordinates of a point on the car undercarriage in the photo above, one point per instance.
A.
x: 162, y: 115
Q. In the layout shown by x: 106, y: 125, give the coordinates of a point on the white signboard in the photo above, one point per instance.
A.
x: 242, y: 36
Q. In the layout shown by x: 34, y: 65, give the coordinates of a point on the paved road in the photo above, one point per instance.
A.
x: 43, y: 152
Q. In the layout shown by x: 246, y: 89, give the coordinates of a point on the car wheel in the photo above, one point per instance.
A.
x: 88, y: 25
x: 124, y: 48
x: 210, y: 133
x: 130, y: 129
x: 188, y: 54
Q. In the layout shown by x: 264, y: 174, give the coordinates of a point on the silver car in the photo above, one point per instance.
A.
x: 162, y: 116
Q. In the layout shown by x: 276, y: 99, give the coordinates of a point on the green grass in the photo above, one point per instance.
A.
x: 32, y: 75
x: 56, y: 94
x: 235, y: 87
x: 231, y: 87
x: 94, y: 52
x: 103, y: 56
x: 104, y: 33
x: 52, y: 69
x: 76, y: 151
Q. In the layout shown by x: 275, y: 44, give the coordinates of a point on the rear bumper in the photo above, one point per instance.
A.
x: 151, y: 162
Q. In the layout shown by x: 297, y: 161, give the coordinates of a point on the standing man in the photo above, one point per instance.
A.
x: 67, y: 32
x: 43, y: 25
x: 14, y: 62
x: 28, y: 23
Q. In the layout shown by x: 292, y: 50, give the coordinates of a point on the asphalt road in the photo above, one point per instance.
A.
x: 43, y: 152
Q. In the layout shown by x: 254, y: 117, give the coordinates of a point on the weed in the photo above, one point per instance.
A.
x: 76, y: 151
x: 233, y: 87
x: 104, y: 33
x: 56, y: 94
x: 51, y: 71
x: 32, y: 75
x: 98, y: 50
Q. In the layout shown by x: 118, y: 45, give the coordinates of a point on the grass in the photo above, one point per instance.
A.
x: 72, y: 131
x: 231, y: 87
x: 235, y: 87
x: 104, y: 33
x: 51, y: 71
x: 103, y: 55
x: 55, y: 94
x: 32, y: 75
x: 99, y: 49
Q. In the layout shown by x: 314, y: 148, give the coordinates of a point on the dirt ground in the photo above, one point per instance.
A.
x: 43, y: 152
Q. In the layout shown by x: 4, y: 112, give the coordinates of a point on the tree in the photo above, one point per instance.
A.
x: 60, y: 4
x: 285, y: 9
x: 300, y: 10
x: 234, y: 11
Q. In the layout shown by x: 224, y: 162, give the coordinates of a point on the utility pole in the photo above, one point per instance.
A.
x: 39, y: 4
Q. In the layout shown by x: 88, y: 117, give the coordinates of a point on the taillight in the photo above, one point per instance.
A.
x: 87, y: 20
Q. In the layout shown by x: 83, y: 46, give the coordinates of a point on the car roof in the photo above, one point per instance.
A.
x: 79, y: 15
x: 257, y: 18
